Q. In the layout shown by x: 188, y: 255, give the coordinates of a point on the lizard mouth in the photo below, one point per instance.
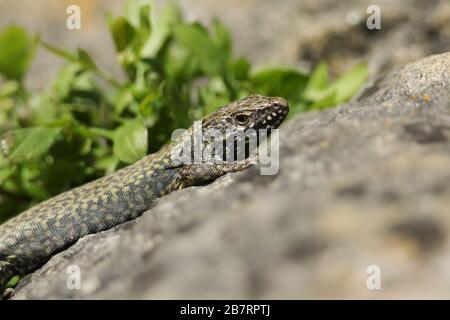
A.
x: 273, y: 114
x: 279, y: 111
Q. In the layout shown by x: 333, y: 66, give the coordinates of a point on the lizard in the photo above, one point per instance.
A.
x: 31, y: 238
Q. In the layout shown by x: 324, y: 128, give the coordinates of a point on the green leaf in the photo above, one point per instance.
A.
x: 28, y: 144
x: 326, y: 99
x: 82, y: 57
x: 109, y: 134
x: 6, y: 169
x: 132, y: 11
x: 287, y: 83
x: 323, y: 95
x: 146, y: 107
x: 196, y: 38
x: 145, y: 20
x: 131, y: 141
x: 162, y: 29
x: 241, y: 69
x: 179, y: 62
x: 17, y: 50
x: 222, y: 38
x: 123, y: 33
x: 349, y: 83
x: 9, y: 88
x: 86, y: 60
x: 108, y: 164
x: 317, y: 83
x: 213, y: 96
x: 6, y: 172
x: 123, y: 99
x: 65, y: 79
x: 65, y: 54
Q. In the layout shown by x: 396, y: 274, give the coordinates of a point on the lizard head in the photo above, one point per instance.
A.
x: 230, y: 134
x: 242, y: 124
x: 253, y: 112
x: 225, y: 140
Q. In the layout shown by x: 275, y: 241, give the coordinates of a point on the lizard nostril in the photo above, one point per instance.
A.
x: 280, y: 103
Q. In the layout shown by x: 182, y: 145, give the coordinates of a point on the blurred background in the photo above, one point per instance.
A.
x: 290, y: 32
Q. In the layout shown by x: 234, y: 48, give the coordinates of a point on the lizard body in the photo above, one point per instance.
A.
x: 30, y: 239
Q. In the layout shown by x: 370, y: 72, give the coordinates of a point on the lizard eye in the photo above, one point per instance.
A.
x: 242, y: 118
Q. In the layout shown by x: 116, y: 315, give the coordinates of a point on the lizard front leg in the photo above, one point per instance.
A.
x: 198, y: 174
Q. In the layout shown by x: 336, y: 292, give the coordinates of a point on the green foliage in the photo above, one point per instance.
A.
x: 15, y: 43
x: 86, y: 123
x: 28, y: 144
x: 130, y: 141
x: 321, y: 94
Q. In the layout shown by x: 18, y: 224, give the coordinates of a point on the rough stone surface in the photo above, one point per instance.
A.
x: 367, y: 183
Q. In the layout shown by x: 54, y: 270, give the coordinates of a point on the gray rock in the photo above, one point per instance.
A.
x: 367, y: 183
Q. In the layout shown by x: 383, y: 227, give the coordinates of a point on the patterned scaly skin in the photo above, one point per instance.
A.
x: 31, y: 238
